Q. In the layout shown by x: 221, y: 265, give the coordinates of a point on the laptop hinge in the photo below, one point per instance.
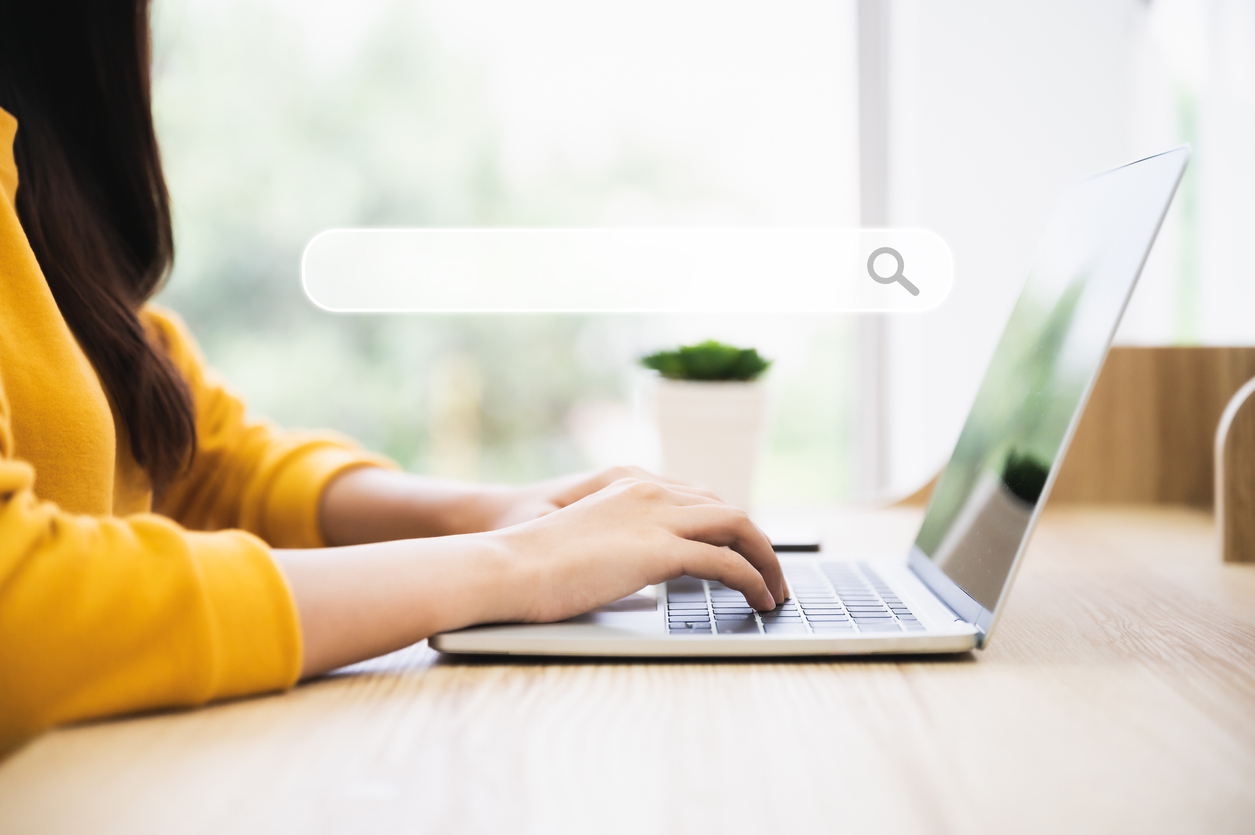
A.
x: 963, y: 605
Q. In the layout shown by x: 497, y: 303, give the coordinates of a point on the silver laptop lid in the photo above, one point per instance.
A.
x: 990, y: 494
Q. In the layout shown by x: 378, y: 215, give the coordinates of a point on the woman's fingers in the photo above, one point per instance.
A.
x: 711, y: 562
x: 694, y: 517
x: 686, y: 486
x: 587, y: 485
x: 723, y: 525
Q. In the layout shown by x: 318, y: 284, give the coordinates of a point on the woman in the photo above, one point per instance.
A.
x: 156, y: 549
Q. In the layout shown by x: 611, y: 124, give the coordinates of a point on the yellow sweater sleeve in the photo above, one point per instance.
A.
x: 247, y: 474
x: 100, y: 616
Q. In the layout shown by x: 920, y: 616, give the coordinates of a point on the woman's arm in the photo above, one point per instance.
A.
x: 361, y: 601
x: 372, y: 504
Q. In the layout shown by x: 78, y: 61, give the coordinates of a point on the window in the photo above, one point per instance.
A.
x: 280, y: 118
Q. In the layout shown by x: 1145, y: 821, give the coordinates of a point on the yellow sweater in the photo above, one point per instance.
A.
x: 105, y: 606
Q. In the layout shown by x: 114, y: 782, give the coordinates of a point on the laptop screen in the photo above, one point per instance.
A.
x: 1054, y: 343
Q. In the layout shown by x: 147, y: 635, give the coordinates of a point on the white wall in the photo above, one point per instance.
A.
x: 995, y: 107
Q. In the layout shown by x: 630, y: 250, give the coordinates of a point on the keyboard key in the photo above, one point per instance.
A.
x: 913, y: 626
x: 746, y: 626
x: 686, y: 607
x: 827, y: 618
x: 784, y: 628
x: 882, y: 626
x: 833, y: 627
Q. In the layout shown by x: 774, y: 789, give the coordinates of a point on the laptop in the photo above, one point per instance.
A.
x: 948, y: 592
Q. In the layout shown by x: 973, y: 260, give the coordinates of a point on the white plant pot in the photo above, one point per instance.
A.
x: 710, y: 433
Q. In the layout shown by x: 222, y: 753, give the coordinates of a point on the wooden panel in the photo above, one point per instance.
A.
x: 1148, y: 434
x: 1118, y: 695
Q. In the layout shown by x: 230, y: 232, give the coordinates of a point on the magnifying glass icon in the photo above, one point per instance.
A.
x: 897, y: 277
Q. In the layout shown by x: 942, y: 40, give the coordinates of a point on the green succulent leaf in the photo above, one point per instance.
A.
x: 709, y: 360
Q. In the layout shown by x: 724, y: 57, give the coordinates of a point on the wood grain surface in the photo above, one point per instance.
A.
x: 1149, y: 430
x: 1117, y: 696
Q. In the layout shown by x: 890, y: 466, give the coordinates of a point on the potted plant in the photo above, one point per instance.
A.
x: 711, y: 413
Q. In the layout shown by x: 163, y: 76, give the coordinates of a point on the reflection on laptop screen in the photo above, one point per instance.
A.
x: 1053, y: 346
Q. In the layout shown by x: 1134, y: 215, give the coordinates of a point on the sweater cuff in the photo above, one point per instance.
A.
x: 291, y: 516
x: 253, y: 621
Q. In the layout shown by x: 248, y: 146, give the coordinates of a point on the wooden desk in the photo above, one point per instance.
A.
x: 1117, y: 696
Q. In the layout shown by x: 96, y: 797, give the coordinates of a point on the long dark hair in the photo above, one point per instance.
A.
x: 93, y: 202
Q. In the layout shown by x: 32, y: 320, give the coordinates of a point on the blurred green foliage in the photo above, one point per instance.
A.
x: 266, y: 144
x: 272, y: 132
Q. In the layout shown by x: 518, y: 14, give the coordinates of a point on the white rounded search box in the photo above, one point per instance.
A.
x: 627, y: 270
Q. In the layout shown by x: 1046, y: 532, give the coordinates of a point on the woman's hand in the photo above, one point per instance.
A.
x: 370, y: 504
x: 502, y: 507
x: 634, y: 533
x: 359, y: 602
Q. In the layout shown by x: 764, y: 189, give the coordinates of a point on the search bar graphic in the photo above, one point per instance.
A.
x: 627, y: 270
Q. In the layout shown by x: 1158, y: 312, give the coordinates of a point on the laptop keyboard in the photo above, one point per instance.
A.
x: 830, y: 598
